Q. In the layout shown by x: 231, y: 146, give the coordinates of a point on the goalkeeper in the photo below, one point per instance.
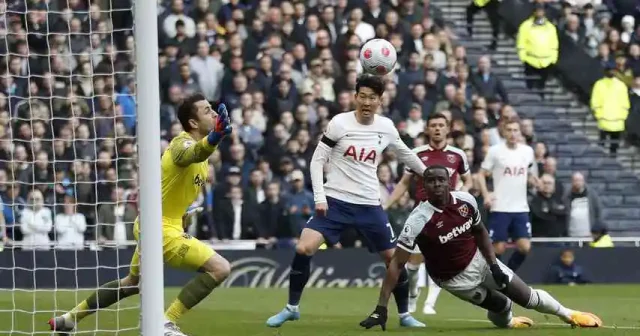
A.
x: 184, y: 172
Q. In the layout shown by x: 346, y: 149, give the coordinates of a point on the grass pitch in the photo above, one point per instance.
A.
x: 325, y: 312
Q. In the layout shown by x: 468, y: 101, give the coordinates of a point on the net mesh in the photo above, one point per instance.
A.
x: 67, y: 159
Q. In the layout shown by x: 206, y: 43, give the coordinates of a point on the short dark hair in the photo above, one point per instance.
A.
x: 375, y: 83
x: 187, y: 110
x: 437, y: 115
x: 435, y: 167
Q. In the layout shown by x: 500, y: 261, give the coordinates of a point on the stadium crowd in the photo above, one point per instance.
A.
x: 68, y: 113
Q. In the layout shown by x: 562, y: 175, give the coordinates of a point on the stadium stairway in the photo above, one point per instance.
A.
x: 561, y: 121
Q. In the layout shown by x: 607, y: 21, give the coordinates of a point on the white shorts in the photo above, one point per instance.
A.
x: 473, y: 283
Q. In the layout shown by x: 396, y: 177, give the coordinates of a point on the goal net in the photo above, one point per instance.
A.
x: 67, y: 160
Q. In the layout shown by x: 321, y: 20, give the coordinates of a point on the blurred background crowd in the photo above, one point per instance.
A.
x: 68, y: 162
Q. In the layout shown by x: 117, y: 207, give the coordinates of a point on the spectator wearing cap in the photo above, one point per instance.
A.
x: 209, y: 70
x: 236, y: 218
x: 486, y: 84
x: 232, y: 177
x: 537, y: 48
x: 300, y: 202
x: 610, y: 105
x: 70, y: 226
x: 584, y: 209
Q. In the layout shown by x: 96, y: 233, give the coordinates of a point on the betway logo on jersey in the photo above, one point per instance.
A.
x: 455, y: 232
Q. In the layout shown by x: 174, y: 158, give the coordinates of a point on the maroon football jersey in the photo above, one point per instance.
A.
x: 443, y: 235
x: 454, y: 159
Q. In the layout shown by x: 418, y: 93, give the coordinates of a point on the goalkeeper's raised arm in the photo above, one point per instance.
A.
x: 203, y: 131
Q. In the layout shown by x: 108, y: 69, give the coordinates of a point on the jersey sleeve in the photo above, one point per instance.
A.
x: 332, y: 134
x: 464, y: 164
x: 489, y: 160
x: 412, y: 228
x: 533, y: 167
x: 405, y: 155
x: 185, y: 151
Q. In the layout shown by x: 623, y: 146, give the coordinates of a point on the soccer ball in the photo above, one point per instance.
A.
x: 378, y: 57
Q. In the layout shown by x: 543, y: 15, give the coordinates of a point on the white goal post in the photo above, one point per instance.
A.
x: 79, y: 159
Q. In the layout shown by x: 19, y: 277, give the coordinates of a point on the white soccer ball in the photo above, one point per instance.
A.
x: 378, y: 57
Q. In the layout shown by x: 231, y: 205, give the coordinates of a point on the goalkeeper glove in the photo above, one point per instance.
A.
x: 222, y: 127
x: 378, y: 317
x: 499, y: 276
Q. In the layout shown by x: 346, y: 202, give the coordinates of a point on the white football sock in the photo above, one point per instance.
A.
x: 292, y: 308
x: 413, y: 273
x: 432, y: 295
x: 543, y: 302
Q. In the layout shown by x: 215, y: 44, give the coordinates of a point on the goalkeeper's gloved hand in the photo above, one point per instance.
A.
x: 222, y: 126
x: 378, y: 317
x: 499, y: 276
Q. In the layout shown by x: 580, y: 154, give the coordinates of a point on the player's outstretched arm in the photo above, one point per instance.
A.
x: 486, y: 248
x: 407, y: 156
x: 185, y: 152
x: 319, y: 159
x: 379, y: 314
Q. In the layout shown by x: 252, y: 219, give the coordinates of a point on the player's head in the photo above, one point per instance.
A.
x: 196, y: 115
x: 512, y: 131
x: 437, y: 127
x: 369, y: 91
x: 436, y: 183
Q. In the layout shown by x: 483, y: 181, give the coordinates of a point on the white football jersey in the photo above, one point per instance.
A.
x: 355, y: 150
x: 509, y: 168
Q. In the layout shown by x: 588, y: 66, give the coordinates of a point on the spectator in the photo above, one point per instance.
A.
x: 115, y: 219
x: 550, y: 167
x: 300, y: 204
x: 610, y: 105
x: 237, y: 219
x: 537, y: 48
x: 177, y: 14
x: 399, y: 212
x: 273, y: 213
x: 386, y: 183
x: 566, y: 272
x: 622, y: 72
x: 491, y: 8
x: 486, y: 84
x: 548, y: 213
x: 209, y: 70
x: 35, y: 223
x: 584, y: 209
x: 601, y: 238
x: 255, y: 192
x: 70, y: 226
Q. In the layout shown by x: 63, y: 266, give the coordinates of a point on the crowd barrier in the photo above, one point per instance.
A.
x: 270, y: 268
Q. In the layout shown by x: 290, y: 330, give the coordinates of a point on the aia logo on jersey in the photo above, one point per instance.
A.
x: 463, y: 211
x: 361, y: 154
x: 514, y: 171
x: 198, y: 181
x: 451, y: 158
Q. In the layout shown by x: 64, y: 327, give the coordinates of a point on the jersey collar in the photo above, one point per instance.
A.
x: 436, y: 209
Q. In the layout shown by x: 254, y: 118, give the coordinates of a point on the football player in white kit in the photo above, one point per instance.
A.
x: 352, y: 145
x: 512, y: 167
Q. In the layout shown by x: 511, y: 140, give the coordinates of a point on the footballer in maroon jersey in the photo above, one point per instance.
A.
x: 436, y: 152
x: 460, y: 258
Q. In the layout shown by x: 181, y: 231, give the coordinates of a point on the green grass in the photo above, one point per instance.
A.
x: 325, y: 312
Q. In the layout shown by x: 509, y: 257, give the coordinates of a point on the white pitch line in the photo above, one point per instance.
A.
x: 544, y: 323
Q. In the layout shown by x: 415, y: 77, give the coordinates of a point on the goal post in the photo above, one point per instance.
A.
x: 79, y: 159
x: 148, y: 100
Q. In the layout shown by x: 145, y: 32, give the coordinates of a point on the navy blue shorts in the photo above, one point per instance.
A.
x: 369, y: 220
x: 505, y: 225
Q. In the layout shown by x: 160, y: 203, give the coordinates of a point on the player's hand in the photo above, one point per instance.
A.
x: 321, y: 209
x: 378, y: 317
x: 488, y: 201
x: 499, y: 276
x: 222, y: 126
x: 192, y: 211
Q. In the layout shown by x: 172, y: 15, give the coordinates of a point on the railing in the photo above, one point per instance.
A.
x: 251, y: 244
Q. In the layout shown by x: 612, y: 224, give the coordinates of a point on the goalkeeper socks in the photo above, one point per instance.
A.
x: 191, y: 294
x: 105, y: 296
x: 401, y: 292
x: 300, y: 270
x: 413, y: 272
x: 516, y: 260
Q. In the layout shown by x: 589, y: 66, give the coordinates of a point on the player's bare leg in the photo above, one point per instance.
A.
x: 499, y: 248
x: 542, y: 302
x: 214, y: 271
x: 401, y: 294
x: 105, y: 296
x: 308, y: 244
x: 523, y: 246
x: 413, y: 272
